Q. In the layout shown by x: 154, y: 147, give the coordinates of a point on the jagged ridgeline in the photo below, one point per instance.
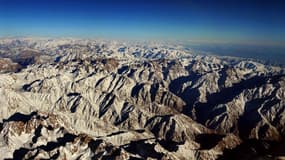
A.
x: 89, y: 99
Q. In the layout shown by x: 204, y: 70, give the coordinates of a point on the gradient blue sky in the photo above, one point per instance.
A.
x: 214, y: 21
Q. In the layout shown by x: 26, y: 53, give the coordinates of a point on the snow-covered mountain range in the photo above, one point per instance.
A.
x: 94, y: 99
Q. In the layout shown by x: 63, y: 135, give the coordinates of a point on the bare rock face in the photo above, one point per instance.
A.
x: 6, y: 65
x: 85, y: 99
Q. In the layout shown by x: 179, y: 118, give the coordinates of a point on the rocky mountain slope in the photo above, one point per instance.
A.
x: 87, y: 99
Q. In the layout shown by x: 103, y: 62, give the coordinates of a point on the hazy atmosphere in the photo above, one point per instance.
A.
x: 142, y: 79
x: 228, y: 21
x: 257, y: 25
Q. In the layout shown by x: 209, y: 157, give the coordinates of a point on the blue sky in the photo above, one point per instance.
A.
x: 228, y: 21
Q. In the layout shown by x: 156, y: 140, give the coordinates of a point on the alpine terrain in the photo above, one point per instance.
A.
x: 96, y: 99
